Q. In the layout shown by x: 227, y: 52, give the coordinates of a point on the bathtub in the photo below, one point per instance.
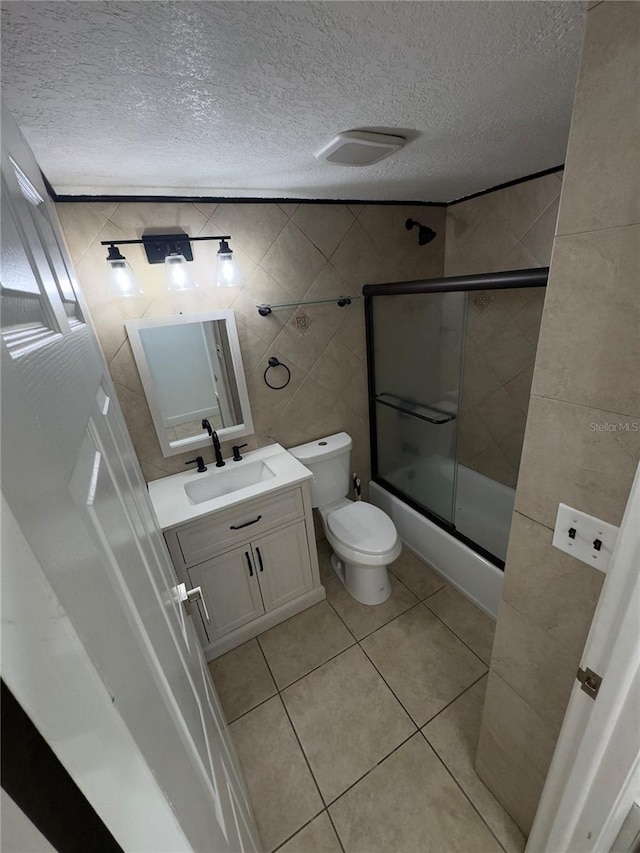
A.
x: 483, y: 511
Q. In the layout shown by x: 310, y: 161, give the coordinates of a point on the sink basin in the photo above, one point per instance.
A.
x: 219, y: 483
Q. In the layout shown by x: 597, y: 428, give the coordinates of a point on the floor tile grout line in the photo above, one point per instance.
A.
x: 464, y: 793
x: 304, y: 754
x: 335, y: 829
x: 293, y: 834
x: 390, y: 688
x: 384, y: 625
x: 293, y: 728
x: 253, y: 708
x: 444, y: 582
x: 464, y: 643
x: 333, y: 657
x: 448, y: 705
x: 371, y: 769
x: 419, y: 729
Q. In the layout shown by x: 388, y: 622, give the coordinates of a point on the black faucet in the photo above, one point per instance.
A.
x: 216, y: 442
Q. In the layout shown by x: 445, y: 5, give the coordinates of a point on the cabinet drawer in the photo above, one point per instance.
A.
x: 210, y: 536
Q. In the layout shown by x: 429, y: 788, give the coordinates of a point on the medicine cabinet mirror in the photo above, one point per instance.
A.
x: 191, y: 368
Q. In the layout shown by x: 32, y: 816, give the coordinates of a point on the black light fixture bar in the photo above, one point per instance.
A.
x: 158, y: 246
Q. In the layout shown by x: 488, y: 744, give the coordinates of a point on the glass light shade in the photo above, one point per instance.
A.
x: 177, y: 274
x: 228, y: 273
x: 121, y: 280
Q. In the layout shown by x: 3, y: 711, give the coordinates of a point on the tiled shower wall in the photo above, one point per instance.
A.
x: 582, y: 439
x: 288, y: 253
x: 508, y: 229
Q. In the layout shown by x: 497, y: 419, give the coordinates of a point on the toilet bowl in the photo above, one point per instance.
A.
x: 363, y: 538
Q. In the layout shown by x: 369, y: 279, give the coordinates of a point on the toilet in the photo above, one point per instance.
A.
x: 363, y: 538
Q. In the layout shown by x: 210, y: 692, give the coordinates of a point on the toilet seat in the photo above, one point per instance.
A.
x: 364, y: 528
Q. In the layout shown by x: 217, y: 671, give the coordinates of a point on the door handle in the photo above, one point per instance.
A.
x: 259, y: 559
x: 189, y: 596
x: 246, y: 553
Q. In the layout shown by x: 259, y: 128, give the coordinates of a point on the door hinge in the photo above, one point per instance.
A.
x: 589, y: 680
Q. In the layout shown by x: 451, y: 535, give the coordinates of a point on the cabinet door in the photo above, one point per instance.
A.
x: 283, y: 564
x: 230, y: 589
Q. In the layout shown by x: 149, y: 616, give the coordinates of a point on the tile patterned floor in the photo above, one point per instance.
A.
x: 356, y: 726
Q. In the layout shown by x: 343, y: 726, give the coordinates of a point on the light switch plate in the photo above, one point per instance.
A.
x: 579, y: 534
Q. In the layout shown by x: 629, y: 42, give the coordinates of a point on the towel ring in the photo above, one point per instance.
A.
x: 273, y: 362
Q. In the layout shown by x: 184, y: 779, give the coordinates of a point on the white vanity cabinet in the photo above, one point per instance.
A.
x: 256, y: 564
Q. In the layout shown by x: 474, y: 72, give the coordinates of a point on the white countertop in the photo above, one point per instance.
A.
x: 173, y: 506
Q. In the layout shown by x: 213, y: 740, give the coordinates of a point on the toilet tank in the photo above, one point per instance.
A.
x: 329, y: 461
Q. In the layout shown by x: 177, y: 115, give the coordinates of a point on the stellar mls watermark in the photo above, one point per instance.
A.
x: 618, y: 426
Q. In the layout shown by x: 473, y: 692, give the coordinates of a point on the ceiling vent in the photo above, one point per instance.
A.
x: 359, y: 148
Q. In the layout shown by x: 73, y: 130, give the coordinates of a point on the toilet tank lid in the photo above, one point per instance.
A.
x: 323, y: 448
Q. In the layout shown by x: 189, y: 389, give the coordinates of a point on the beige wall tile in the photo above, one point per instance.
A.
x: 520, y: 388
x: 590, y: 343
x: 585, y: 375
x: 514, y: 751
x: 81, y: 226
x: 287, y: 207
x: 293, y: 260
x: 566, y: 459
x: 294, y: 253
x: 533, y: 664
x: 253, y: 226
x: 550, y: 588
x: 124, y: 371
x: 539, y: 238
x: 520, y: 206
x: 136, y: 218
x: 134, y: 408
x: 602, y: 173
x: 324, y: 224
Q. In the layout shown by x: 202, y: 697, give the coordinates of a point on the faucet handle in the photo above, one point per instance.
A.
x: 200, y: 463
x: 206, y: 425
x: 236, y: 451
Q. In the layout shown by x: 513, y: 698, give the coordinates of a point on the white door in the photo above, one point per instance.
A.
x: 594, y: 777
x: 73, y: 484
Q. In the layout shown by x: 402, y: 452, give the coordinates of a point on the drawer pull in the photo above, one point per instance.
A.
x: 246, y: 553
x: 259, y: 559
x: 246, y: 524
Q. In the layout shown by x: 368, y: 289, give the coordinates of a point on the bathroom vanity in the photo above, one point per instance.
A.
x: 244, y: 534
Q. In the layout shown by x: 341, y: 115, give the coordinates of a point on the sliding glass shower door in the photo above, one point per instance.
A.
x: 416, y: 381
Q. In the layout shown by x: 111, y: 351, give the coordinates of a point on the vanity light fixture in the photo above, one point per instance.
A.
x: 228, y: 273
x: 174, y: 251
x: 120, y: 277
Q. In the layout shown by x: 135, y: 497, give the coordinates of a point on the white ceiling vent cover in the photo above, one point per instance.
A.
x: 359, y: 148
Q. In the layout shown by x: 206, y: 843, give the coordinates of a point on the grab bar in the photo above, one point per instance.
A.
x: 448, y: 417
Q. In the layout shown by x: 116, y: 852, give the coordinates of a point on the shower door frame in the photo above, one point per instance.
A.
x: 536, y: 277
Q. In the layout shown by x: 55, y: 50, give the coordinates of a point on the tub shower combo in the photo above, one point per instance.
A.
x: 448, y: 365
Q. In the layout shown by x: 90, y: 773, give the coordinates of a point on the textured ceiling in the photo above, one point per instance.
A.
x: 234, y: 98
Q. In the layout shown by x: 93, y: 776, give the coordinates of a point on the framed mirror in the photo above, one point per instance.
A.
x: 191, y: 368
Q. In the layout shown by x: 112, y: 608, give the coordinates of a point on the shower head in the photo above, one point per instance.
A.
x: 425, y: 234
